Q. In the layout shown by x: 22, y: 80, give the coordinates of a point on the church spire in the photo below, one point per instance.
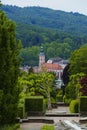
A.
x: 41, y: 57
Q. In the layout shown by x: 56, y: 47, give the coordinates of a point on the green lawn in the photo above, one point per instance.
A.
x: 48, y: 127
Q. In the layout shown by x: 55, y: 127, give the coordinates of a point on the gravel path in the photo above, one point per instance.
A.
x: 38, y: 126
x: 31, y: 126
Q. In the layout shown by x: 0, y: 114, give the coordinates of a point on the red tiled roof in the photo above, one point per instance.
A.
x: 52, y: 66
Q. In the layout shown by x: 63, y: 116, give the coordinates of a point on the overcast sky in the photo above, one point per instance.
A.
x: 65, y: 5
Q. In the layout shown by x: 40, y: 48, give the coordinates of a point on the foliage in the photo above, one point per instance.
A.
x: 45, y: 82
x: 0, y: 3
x: 9, y: 70
x: 66, y: 75
x: 78, y: 61
x: 59, y: 35
x: 48, y: 127
x: 83, y: 83
x: 59, y: 98
x: 83, y: 104
x: 74, y: 106
x: 10, y: 127
x: 37, y: 84
x: 45, y: 17
x: 73, y: 87
x: 35, y: 104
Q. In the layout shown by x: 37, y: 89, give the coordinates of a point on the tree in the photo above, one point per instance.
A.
x: 72, y: 89
x: 0, y: 3
x: 65, y: 77
x: 45, y: 81
x: 78, y: 61
x: 83, y: 83
x: 9, y: 70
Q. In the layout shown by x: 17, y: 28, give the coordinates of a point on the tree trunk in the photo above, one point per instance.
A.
x: 49, y: 107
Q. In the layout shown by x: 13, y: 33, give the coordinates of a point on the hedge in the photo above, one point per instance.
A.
x: 34, y: 104
x: 83, y: 104
x: 74, y: 106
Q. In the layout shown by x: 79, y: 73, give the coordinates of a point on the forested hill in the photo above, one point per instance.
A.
x: 59, y: 32
x: 45, y: 17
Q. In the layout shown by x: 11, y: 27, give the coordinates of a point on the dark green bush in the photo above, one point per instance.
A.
x: 21, y: 111
x: 10, y: 127
x: 83, y: 104
x: 74, y: 106
x: 59, y: 98
x: 35, y: 104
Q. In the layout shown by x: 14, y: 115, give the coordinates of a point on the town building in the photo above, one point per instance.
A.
x: 55, y: 65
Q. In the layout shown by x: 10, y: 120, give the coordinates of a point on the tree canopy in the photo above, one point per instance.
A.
x: 59, y: 32
x: 78, y: 61
x: 9, y: 70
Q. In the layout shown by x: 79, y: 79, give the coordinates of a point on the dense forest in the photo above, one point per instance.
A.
x: 59, y: 32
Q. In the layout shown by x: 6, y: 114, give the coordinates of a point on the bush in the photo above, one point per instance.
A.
x: 66, y: 100
x: 34, y: 104
x: 59, y: 98
x: 53, y: 100
x: 83, y: 104
x: 74, y: 106
x: 21, y: 112
x: 48, y: 127
x: 10, y: 127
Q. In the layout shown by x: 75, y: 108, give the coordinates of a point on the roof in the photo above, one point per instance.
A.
x: 52, y: 66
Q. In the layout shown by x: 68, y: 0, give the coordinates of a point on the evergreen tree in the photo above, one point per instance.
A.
x: 9, y: 70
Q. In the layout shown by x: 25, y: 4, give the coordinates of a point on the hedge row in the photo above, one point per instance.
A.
x: 32, y: 105
x: 79, y: 106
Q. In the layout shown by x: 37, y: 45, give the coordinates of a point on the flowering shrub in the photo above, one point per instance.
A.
x: 83, y: 83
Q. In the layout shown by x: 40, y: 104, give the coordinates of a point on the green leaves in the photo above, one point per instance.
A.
x: 9, y: 71
x: 78, y: 61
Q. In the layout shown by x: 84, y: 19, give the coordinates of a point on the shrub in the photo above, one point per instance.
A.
x: 66, y: 100
x: 10, y: 127
x: 53, y: 100
x: 74, y: 106
x: 83, y: 104
x: 59, y: 98
x: 21, y: 111
x: 83, y: 83
x: 34, y: 104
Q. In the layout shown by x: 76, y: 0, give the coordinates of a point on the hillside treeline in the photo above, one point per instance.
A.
x: 59, y: 32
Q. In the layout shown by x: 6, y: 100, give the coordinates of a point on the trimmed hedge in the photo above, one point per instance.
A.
x: 74, y: 106
x: 83, y: 104
x: 34, y: 104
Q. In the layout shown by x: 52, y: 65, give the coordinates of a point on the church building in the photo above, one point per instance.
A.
x: 50, y: 66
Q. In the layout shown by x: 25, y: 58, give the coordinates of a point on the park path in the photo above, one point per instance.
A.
x: 31, y: 126
x: 38, y: 126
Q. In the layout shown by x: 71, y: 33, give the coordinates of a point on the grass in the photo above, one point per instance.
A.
x: 48, y: 127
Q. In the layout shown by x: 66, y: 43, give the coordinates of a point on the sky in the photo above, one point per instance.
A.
x: 79, y: 6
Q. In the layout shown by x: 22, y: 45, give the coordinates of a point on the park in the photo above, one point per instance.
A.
x: 32, y: 98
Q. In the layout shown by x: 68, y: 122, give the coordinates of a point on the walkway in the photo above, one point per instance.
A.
x: 31, y: 126
x: 37, y: 126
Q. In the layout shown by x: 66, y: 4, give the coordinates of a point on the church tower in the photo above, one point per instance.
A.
x: 41, y: 57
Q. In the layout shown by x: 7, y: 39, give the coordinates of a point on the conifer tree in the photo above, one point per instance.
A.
x: 9, y: 70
